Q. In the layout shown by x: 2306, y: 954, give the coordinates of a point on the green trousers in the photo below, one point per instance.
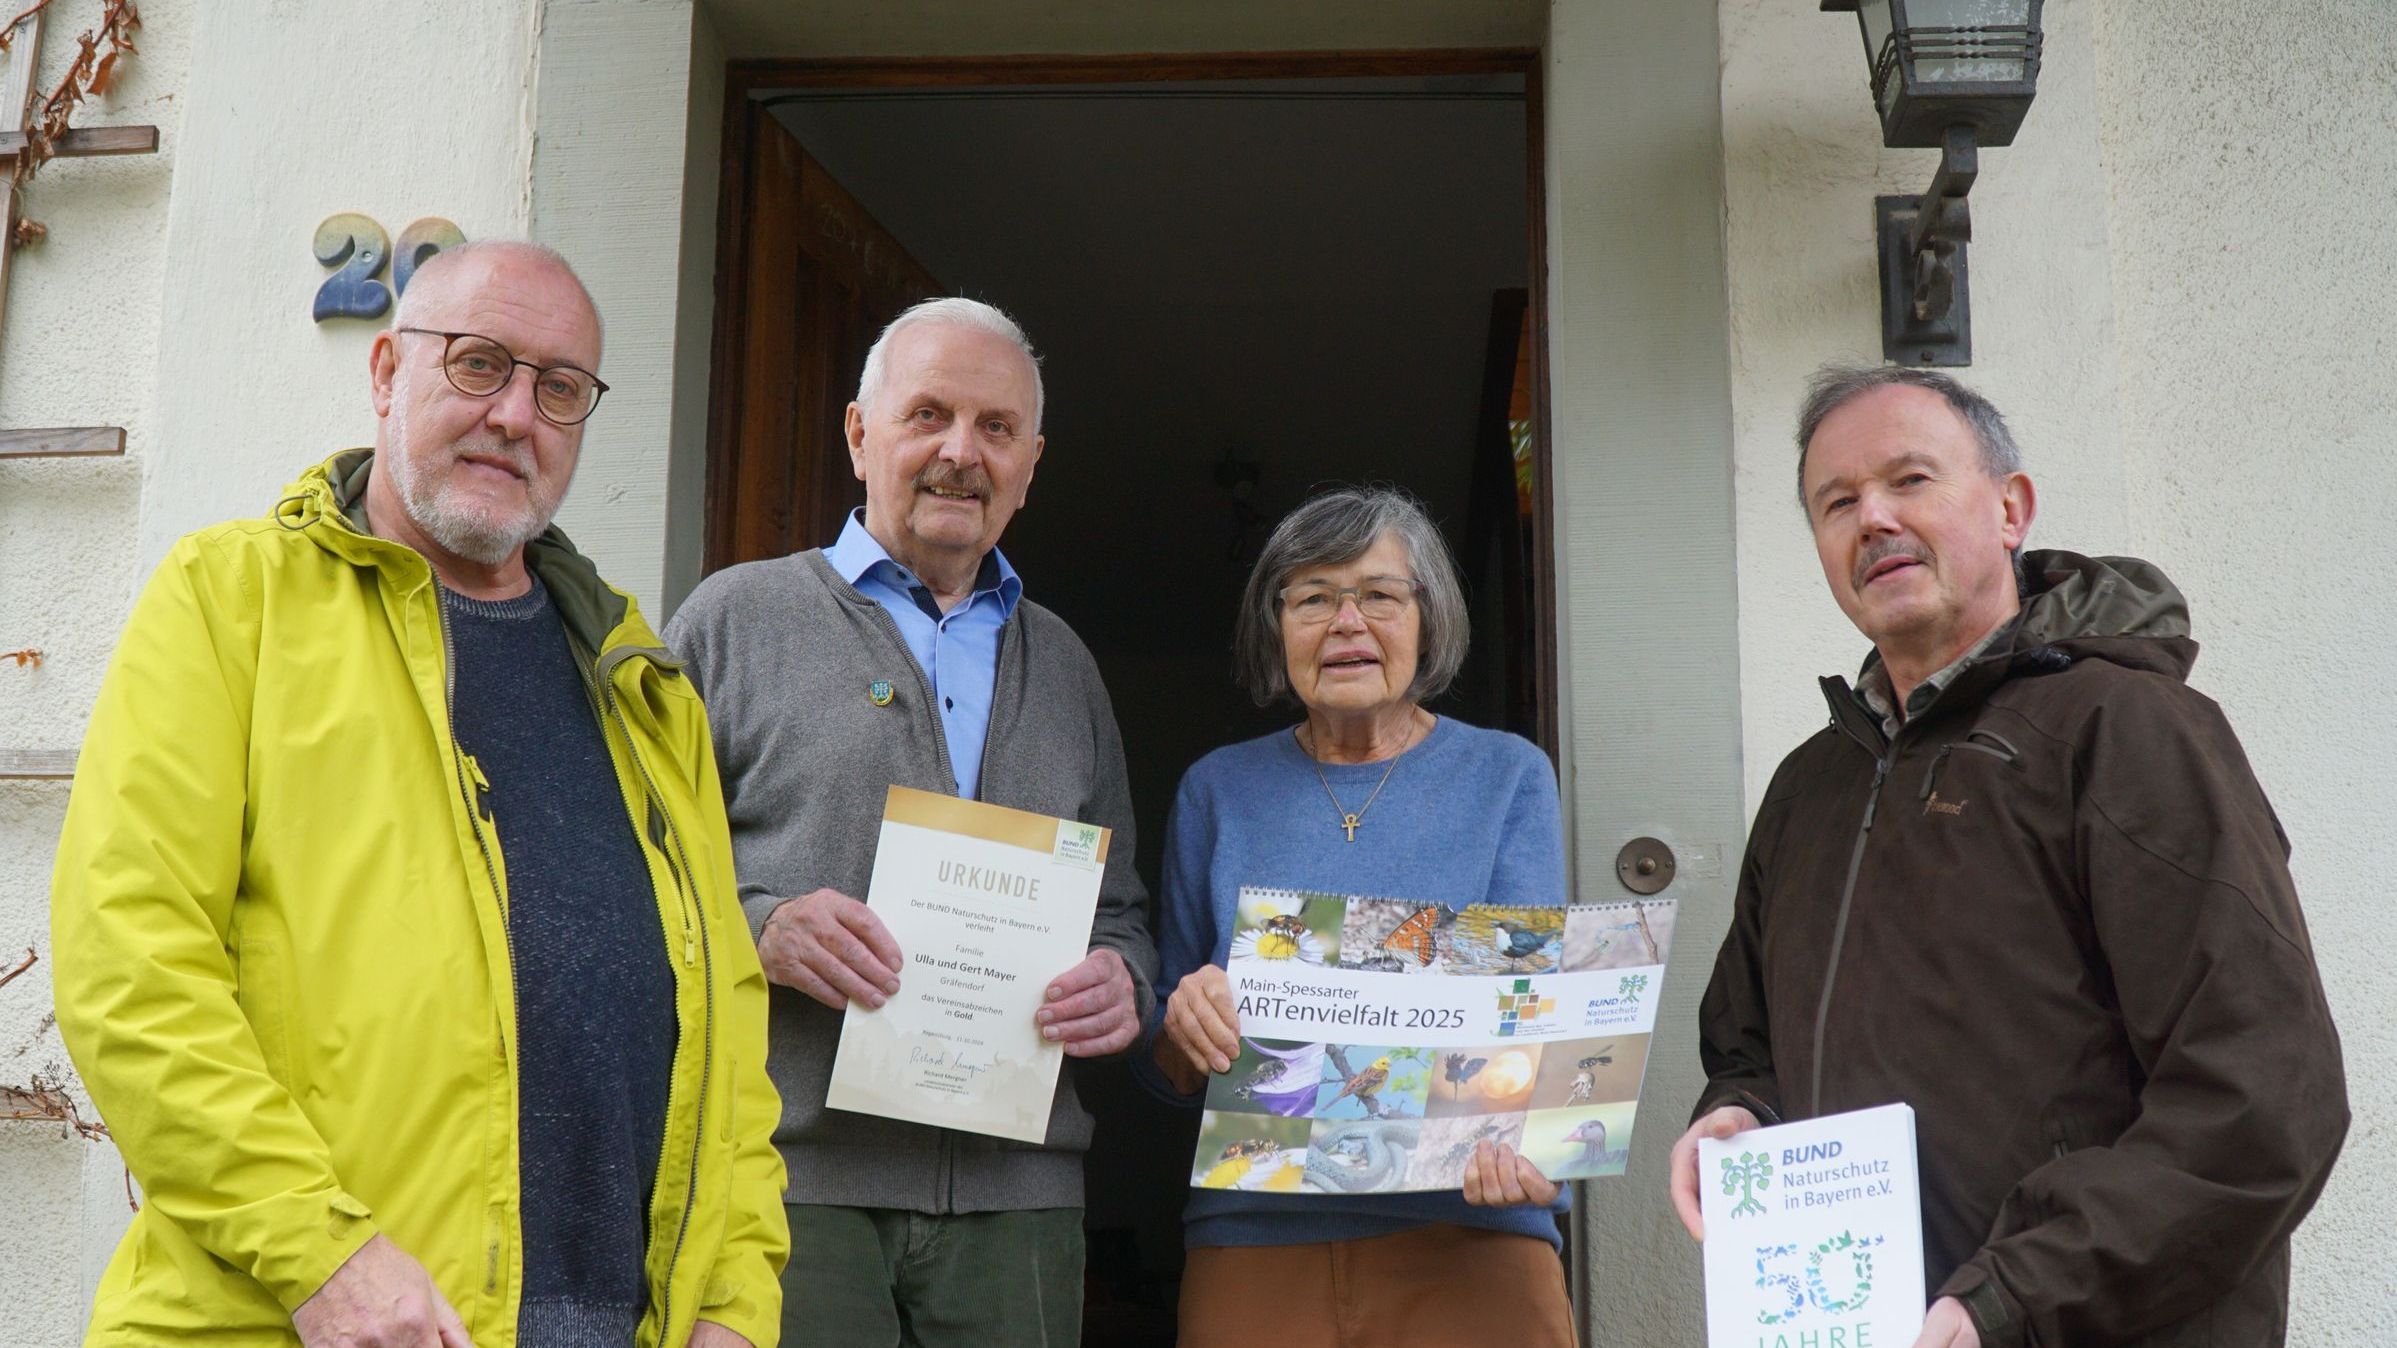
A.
x: 885, y: 1278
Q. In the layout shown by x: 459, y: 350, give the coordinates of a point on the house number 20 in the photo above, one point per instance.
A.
x: 358, y: 249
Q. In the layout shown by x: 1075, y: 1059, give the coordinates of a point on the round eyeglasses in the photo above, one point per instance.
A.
x: 1379, y: 599
x: 479, y: 367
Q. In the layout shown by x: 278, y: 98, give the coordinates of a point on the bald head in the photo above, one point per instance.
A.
x: 468, y: 470
x: 449, y: 279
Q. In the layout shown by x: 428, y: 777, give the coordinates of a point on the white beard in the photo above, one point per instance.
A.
x: 469, y: 527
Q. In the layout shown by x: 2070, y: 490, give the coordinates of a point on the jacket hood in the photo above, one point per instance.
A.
x: 328, y: 503
x: 2118, y: 609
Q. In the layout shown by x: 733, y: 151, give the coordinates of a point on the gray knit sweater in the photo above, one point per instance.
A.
x: 786, y: 653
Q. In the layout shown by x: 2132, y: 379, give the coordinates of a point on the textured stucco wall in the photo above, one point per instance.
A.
x: 1649, y: 644
x: 292, y: 114
x: 2249, y: 204
x: 624, y: 184
x: 82, y: 322
x: 695, y: 317
x: 2179, y: 276
x: 172, y: 299
x: 1802, y: 163
x: 2180, y: 273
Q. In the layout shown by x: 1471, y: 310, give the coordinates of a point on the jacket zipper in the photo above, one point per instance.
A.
x: 1883, y: 761
x: 476, y: 795
x: 1847, y: 895
x: 677, y: 862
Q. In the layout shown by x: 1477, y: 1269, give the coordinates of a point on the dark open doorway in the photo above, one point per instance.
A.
x: 1248, y: 276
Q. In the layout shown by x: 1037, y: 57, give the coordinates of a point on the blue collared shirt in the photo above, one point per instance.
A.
x: 958, y: 651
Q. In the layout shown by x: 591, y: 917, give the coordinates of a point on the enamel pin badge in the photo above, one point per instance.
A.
x: 880, y: 692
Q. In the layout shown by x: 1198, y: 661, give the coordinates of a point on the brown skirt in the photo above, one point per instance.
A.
x: 1431, y: 1287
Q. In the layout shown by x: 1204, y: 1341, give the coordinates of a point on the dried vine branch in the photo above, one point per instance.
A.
x: 8, y: 30
x: 44, y: 1101
x: 92, y: 72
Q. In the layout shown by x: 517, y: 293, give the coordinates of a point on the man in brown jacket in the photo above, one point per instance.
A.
x: 2026, y: 883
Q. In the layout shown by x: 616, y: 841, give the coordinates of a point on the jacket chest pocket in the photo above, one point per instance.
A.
x: 1980, y: 815
x: 1981, y: 764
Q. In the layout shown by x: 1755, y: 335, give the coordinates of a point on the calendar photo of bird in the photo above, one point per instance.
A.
x: 1590, y: 1072
x: 1368, y: 1082
x: 1518, y: 941
x: 1502, y: 1084
x: 1584, y: 1142
x: 1457, y: 1069
x: 1494, y: 940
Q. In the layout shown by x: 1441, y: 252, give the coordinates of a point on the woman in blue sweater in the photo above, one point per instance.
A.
x: 1355, y: 612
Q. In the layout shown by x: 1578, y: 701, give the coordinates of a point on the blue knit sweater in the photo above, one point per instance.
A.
x: 595, y: 1018
x: 1468, y: 816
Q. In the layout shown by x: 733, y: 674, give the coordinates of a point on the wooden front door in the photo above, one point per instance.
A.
x: 814, y: 281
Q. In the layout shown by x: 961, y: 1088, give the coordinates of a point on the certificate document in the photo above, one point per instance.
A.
x: 987, y: 904
x: 1814, y: 1233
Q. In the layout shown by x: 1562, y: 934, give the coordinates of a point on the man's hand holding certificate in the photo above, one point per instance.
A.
x: 957, y: 1014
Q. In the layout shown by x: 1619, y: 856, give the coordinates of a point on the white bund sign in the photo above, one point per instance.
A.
x: 1814, y: 1234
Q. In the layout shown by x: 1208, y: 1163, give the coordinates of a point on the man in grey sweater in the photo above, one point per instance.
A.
x: 904, y: 654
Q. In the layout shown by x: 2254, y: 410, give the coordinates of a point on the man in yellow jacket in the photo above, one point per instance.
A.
x: 394, y: 921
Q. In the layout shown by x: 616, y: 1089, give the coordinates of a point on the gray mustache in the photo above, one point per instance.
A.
x: 954, y: 479
x: 518, y: 457
x: 1882, y: 550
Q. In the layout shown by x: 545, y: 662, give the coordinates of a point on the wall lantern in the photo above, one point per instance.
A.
x: 1950, y: 75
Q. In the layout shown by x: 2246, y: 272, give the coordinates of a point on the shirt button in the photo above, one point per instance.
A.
x: 950, y: 703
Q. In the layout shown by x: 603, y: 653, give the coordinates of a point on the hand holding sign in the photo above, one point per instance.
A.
x: 832, y: 948
x: 1683, y: 1168
x: 1090, y: 1007
x: 1201, y: 1026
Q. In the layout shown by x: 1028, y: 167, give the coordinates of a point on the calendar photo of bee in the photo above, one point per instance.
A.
x: 1372, y: 1112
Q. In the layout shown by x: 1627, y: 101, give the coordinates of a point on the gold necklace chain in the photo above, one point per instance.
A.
x: 1348, y: 821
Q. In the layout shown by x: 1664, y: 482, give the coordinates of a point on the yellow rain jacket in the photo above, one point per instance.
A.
x: 279, y: 927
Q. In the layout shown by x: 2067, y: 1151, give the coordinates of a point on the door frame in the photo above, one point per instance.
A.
x: 743, y: 79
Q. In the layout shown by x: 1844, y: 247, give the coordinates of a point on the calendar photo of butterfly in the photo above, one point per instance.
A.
x: 1398, y: 936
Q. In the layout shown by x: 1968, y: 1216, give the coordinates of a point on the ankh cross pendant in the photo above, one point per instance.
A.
x: 1349, y: 822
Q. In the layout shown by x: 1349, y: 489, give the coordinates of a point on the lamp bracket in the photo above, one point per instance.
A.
x: 1925, y: 311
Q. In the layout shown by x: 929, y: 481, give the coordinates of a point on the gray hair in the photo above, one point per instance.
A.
x: 954, y: 311
x: 412, y: 301
x: 1339, y: 526
x: 1835, y: 386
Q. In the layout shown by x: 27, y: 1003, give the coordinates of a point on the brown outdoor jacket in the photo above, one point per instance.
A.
x: 2055, y: 917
